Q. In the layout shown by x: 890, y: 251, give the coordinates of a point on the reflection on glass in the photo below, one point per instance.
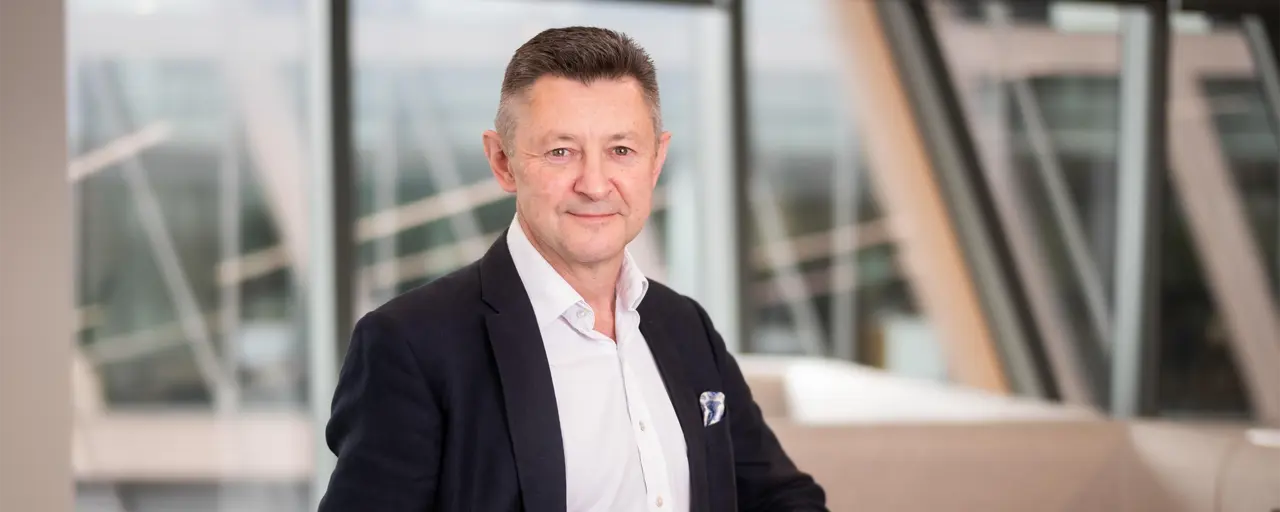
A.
x: 826, y: 275
x: 1040, y: 91
x: 173, y: 200
x: 1227, y: 135
x: 1041, y: 94
x: 186, y: 143
x: 1245, y: 125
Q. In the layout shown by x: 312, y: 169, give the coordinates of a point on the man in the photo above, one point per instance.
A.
x: 551, y: 375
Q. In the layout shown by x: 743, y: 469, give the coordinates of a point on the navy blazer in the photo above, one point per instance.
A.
x: 445, y: 402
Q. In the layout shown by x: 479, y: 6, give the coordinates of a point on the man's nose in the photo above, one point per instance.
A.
x: 594, y: 180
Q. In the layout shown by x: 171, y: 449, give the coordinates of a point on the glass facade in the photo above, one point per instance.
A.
x: 1223, y: 147
x: 190, y: 158
x: 187, y: 141
x: 1042, y: 95
x: 827, y: 280
x: 187, y: 133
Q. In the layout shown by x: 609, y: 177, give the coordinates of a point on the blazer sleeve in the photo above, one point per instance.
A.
x: 767, y: 479
x: 385, y: 426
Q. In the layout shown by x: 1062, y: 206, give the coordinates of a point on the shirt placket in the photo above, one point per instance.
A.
x: 652, y: 461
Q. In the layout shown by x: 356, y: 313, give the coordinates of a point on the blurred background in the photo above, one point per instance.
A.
x: 1022, y: 254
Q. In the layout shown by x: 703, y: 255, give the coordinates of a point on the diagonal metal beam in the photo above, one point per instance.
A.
x: 420, y: 265
x: 782, y: 257
x: 805, y: 248
x: 156, y: 231
x: 438, y: 260
x: 274, y: 133
x: 903, y: 176
x: 118, y: 151
x: 1262, y: 45
x: 443, y: 167
x: 838, y: 242
x: 1048, y: 312
x: 428, y: 209
x: 1064, y: 210
x: 819, y: 282
x: 140, y: 343
x: 276, y: 145
x: 376, y: 225
x: 1233, y: 264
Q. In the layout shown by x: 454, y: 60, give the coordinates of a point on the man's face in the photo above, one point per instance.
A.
x: 583, y: 167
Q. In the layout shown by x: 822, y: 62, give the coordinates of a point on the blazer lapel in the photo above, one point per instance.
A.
x: 683, y: 399
x: 528, y: 392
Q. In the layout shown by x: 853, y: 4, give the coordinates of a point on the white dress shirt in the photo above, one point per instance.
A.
x: 624, y: 450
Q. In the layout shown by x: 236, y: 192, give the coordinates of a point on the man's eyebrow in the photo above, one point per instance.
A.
x: 559, y: 137
x: 565, y: 137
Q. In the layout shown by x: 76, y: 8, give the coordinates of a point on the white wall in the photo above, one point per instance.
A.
x: 35, y: 261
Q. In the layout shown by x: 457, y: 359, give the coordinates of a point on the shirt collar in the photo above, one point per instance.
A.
x: 550, y: 294
x: 632, y: 284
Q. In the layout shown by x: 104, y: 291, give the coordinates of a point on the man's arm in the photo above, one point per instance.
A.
x: 767, y: 480
x: 385, y: 426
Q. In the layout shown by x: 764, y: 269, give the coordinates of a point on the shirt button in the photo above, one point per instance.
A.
x: 582, y: 313
x: 659, y: 503
x: 642, y: 426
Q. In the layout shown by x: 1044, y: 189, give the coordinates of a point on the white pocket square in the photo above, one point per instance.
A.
x: 712, y: 407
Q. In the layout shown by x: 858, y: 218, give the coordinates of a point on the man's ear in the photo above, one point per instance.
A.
x: 499, y: 162
x: 664, y: 141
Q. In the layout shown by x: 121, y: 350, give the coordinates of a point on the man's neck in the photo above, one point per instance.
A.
x: 596, y: 283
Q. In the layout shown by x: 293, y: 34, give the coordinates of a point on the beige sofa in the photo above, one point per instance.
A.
x: 1004, y: 461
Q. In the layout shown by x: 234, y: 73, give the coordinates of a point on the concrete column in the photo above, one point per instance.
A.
x: 36, y: 264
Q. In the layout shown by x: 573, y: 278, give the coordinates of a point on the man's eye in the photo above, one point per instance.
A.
x: 559, y: 152
x: 622, y: 151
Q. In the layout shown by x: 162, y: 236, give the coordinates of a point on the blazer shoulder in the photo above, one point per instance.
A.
x: 662, y: 296
x: 664, y: 302
x: 445, y: 300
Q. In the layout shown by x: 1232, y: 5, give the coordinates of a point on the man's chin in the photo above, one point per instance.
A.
x: 595, y: 252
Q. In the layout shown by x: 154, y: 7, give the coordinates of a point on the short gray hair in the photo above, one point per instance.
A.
x: 584, y: 54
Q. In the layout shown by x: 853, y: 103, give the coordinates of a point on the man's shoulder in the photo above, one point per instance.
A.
x: 669, y: 304
x: 449, y: 299
x: 684, y: 318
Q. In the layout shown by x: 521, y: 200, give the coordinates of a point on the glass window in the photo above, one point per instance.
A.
x: 1041, y: 98
x: 1221, y: 249
x: 180, y: 203
x: 1245, y: 128
x: 187, y: 149
x: 826, y: 276
x: 1043, y: 102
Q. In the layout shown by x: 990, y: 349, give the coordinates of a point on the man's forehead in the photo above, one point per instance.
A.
x: 556, y: 134
x: 551, y: 124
